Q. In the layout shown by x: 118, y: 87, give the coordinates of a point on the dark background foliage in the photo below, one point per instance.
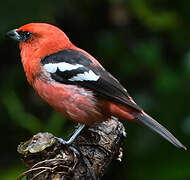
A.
x: 144, y: 43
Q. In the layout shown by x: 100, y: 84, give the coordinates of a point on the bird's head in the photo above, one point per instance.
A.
x: 36, y: 41
x: 40, y: 38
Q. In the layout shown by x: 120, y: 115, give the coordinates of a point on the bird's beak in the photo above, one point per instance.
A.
x: 14, y: 35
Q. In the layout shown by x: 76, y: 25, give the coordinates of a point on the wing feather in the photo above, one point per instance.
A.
x: 82, y: 72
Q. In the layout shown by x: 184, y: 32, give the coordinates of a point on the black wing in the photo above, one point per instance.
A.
x: 74, y: 67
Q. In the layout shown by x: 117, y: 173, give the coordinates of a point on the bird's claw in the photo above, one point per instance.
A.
x: 69, y: 144
x: 62, y: 141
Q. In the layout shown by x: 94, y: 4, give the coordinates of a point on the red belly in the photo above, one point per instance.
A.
x: 75, y: 103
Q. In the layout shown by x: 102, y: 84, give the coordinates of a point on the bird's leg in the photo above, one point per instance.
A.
x: 73, y: 137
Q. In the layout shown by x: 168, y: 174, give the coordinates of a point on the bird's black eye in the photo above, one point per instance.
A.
x: 24, y: 35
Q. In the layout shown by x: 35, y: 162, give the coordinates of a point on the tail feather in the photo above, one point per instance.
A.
x: 155, y: 126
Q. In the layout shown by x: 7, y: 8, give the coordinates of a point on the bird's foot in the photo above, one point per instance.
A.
x: 72, y: 138
x: 69, y: 144
x: 62, y: 141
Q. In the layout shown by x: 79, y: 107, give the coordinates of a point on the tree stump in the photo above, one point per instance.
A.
x: 95, y: 148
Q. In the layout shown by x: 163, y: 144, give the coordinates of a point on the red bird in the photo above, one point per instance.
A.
x: 75, y: 83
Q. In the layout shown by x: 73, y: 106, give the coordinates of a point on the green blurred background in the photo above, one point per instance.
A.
x: 144, y: 43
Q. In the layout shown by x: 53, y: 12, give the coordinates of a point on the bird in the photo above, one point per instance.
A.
x: 74, y: 83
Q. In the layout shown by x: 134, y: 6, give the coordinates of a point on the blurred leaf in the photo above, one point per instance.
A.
x: 17, y: 113
x: 168, y: 81
x: 178, y: 170
x: 55, y: 123
x: 149, y: 54
x: 110, y: 44
x: 11, y: 172
x: 154, y: 19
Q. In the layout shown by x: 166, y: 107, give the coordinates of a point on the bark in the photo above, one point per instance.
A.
x: 88, y: 157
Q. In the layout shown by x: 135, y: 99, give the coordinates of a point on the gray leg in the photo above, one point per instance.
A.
x: 73, y: 137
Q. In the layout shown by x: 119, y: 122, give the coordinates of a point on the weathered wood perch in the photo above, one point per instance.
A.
x: 46, y: 158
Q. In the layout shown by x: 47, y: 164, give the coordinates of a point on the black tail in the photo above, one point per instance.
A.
x: 155, y: 126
